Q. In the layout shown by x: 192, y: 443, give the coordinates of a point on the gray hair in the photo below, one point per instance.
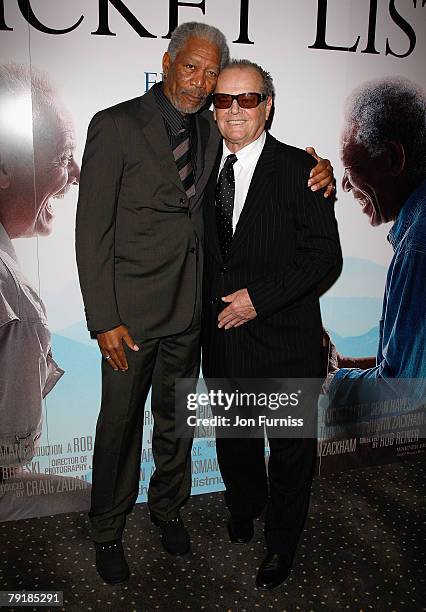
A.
x: 194, y: 29
x: 391, y: 109
x: 267, y: 83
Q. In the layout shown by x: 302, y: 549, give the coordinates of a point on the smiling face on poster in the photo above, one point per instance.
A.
x: 382, y: 146
x: 37, y: 152
x: 36, y: 166
x: 383, y: 153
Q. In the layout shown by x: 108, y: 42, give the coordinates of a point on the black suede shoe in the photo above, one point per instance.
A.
x: 240, y: 530
x: 174, y: 536
x: 111, y: 562
x: 273, y: 571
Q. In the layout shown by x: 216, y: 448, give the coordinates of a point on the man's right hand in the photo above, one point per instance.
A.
x: 112, y: 349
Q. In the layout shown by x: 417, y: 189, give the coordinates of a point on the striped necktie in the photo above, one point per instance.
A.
x: 225, y: 192
x: 182, y: 155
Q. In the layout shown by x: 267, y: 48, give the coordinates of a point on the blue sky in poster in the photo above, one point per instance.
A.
x: 351, y: 312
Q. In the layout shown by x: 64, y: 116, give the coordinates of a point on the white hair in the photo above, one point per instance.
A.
x: 20, y: 83
x: 391, y: 109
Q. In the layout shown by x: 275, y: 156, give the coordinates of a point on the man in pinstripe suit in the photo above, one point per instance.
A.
x: 269, y: 243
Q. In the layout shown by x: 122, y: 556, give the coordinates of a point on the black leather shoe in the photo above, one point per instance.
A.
x: 240, y: 530
x: 174, y: 536
x: 273, y: 571
x: 111, y: 562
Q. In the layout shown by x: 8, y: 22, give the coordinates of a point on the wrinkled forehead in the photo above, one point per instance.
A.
x: 54, y: 127
x: 201, y: 49
x: 53, y: 116
x: 350, y: 148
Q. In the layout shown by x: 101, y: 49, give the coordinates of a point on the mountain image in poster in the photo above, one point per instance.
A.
x: 357, y: 346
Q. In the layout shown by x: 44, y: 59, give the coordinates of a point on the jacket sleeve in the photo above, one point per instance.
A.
x: 100, y: 181
x: 317, y: 257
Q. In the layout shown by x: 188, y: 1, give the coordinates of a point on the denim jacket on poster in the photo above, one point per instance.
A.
x: 402, y: 330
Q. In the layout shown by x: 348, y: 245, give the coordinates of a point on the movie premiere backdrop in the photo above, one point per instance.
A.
x: 89, y: 54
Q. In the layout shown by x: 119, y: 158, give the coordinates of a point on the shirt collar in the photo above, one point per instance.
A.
x: 6, y: 244
x: 406, y: 215
x: 248, y: 154
x: 174, y: 119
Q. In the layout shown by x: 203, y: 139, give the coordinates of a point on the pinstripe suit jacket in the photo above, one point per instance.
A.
x: 285, y: 244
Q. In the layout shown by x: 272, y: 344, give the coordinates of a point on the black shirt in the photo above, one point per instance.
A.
x: 175, y: 121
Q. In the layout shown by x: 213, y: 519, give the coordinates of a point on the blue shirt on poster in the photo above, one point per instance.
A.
x: 402, y: 330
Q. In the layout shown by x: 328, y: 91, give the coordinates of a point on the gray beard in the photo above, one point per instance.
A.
x: 188, y: 111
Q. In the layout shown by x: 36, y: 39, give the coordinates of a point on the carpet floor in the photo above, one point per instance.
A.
x: 362, y: 549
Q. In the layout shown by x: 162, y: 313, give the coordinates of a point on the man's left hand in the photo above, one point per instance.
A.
x: 321, y: 175
x: 239, y: 311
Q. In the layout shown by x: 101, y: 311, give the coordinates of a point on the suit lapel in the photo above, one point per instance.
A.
x: 210, y: 226
x: 203, y: 131
x: 259, y: 188
x: 208, y: 139
x: 156, y: 135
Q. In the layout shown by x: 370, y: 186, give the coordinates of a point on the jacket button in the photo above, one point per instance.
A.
x: 223, y: 269
x: 192, y: 250
x: 182, y: 200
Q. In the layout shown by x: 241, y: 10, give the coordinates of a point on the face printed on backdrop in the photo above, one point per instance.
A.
x: 37, y: 146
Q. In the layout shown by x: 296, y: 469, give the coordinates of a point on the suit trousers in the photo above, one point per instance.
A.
x: 290, y: 471
x: 118, y: 443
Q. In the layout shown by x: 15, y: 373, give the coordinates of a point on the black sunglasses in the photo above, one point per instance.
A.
x: 245, y: 100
